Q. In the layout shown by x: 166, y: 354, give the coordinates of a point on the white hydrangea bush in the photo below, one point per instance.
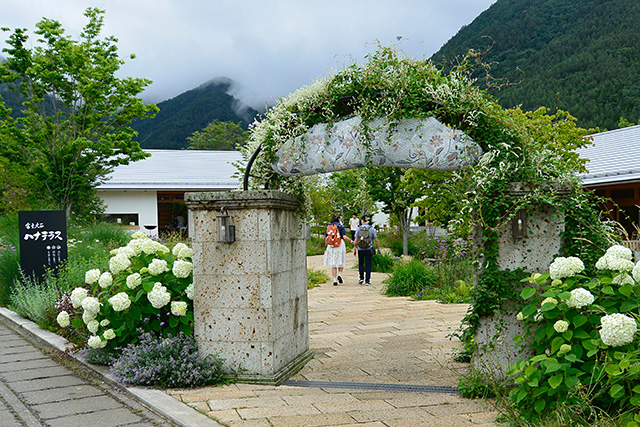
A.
x: 147, y: 287
x: 580, y: 320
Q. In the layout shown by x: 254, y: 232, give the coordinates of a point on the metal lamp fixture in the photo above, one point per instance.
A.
x: 519, y: 224
x: 226, y: 230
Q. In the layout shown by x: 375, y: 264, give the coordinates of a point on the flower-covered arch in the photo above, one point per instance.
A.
x: 391, y: 92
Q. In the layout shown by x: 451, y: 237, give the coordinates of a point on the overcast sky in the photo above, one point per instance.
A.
x: 270, y: 48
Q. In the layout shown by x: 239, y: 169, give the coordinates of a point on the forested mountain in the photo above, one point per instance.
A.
x: 191, y: 111
x: 579, y: 56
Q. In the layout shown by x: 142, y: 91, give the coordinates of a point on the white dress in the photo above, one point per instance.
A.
x: 336, y: 256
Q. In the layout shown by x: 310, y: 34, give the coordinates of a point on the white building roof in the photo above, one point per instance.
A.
x: 177, y: 170
x: 614, y: 157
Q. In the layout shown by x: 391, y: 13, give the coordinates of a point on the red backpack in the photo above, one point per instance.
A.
x: 333, y: 236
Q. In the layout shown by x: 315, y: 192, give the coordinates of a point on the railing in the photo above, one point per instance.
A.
x: 634, y: 245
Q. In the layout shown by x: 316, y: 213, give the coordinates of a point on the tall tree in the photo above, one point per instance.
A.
x: 219, y: 135
x: 390, y: 187
x: 350, y: 190
x: 76, y: 113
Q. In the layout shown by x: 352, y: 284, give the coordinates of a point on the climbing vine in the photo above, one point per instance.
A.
x: 536, y: 149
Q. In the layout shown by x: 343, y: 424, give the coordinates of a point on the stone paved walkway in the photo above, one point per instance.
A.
x: 36, y: 390
x: 359, y: 335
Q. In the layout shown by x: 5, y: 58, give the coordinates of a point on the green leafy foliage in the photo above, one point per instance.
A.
x: 574, y: 365
x: 218, y: 135
x: 167, y: 362
x: 580, y: 57
x: 148, y: 288
x: 408, y: 278
x: 74, y: 122
x: 316, y: 277
x: 382, y: 262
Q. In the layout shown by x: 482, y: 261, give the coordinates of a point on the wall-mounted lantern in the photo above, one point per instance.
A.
x: 226, y: 230
x: 519, y: 224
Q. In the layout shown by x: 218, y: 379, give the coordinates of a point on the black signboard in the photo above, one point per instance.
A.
x: 43, y: 241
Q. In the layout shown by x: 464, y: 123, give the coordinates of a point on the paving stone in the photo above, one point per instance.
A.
x: 76, y: 406
x: 48, y: 383
x: 320, y: 420
x: 17, y: 357
x: 36, y: 374
x: 60, y: 394
x: 27, y: 364
x: 108, y: 418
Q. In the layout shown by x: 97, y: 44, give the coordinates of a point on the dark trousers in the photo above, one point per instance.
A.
x: 364, y: 264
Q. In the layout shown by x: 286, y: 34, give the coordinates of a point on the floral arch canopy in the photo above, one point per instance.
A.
x: 347, y: 144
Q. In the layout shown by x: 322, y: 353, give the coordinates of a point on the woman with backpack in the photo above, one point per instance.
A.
x: 335, y: 256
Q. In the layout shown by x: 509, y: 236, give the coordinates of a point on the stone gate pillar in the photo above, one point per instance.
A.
x: 250, y: 298
x: 534, y: 252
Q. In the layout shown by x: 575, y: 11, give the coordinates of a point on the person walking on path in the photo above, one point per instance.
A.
x: 363, y: 246
x: 354, y: 223
x: 335, y: 255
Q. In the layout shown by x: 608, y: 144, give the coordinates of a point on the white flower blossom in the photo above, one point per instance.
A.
x: 182, y: 269
x: 120, y: 301
x: 77, y: 295
x: 109, y: 334
x: 185, y: 253
x: 159, y: 297
x: 91, y: 305
x: 93, y: 326
x: 549, y: 301
x: 562, y: 267
x: 88, y: 317
x: 614, y: 263
x: 520, y: 316
x: 152, y: 247
x: 561, y: 326
x: 96, y: 342
x: 177, y: 248
x: 139, y: 235
x: 636, y: 272
x: 135, y: 247
x: 106, y: 280
x: 178, y: 308
x: 623, y: 279
x: 133, y: 280
x: 580, y: 297
x: 92, y: 276
x: 105, y: 322
x: 119, y: 263
x: 617, y: 329
x: 620, y: 251
x: 189, y: 291
x: 158, y: 266
x: 63, y: 319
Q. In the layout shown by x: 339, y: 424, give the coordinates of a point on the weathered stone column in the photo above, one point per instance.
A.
x: 542, y: 243
x: 250, y: 298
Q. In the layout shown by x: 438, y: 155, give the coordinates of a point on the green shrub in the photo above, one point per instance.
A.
x: 36, y: 301
x: 474, y: 385
x: 315, y: 246
x: 167, y: 362
x: 583, y: 330
x: 315, y: 277
x: 9, y: 256
x: 148, y: 288
x: 382, y: 263
x: 410, y: 277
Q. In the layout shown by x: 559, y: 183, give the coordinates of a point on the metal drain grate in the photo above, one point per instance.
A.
x: 407, y: 388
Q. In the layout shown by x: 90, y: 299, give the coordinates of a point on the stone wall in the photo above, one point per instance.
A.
x: 494, y: 335
x: 251, y: 295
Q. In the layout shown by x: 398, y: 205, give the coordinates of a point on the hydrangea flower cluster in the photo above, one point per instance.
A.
x: 562, y: 267
x: 561, y: 326
x: 580, y: 297
x: 617, y: 258
x: 144, y: 273
x: 617, y: 329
